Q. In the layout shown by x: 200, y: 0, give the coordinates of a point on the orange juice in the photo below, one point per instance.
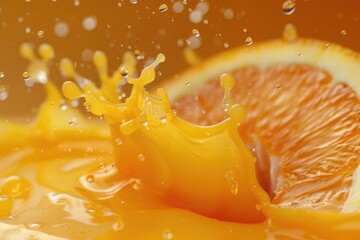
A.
x: 128, y: 166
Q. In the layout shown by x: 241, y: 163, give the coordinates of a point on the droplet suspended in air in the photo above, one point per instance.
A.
x: 134, y: 1
x: 178, y: 7
x: 343, y: 32
x: 2, y: 74
x: 163, y: 7
x: 288, y: 7
x: 40, y: 33
x: 124, y: 72
x: 61, y: 29
x: 89, y: 23
x: 196, y: 16
x: 229, y: 14
x: 195, y: 32
x: 249, y: 41
x: 26, y: 76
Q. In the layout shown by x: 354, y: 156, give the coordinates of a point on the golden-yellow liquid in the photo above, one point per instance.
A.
x: 75, y: 178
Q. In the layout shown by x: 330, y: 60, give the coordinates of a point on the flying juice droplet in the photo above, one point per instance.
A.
x: 249, y: 41
x: 40, y: 34
x: 2, y: 74
x: 288, y: 7
x: 163, y: 7
x: 26, y: 76
x: 195, y: 32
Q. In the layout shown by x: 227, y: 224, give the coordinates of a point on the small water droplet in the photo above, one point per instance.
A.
x: 40, y: 33
x: 163, y: 119
x: 124, y: 72
x: 134, y: 1
x: 76, y: 3
x: 195, y: 32
x: 226, y: 45
x: 249, y: 41
x: 343, y: 32
x: 187, y: 84
x: 278, y: 86
x: 167, y: 234
x: 244, y: 30
x: 288, y: 7
x: 163, y: 7
x: 2, y: 74
x: 26, y: 76
x: 141, y: 157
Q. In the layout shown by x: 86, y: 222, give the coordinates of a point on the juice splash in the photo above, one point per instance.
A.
x: 152, y: 176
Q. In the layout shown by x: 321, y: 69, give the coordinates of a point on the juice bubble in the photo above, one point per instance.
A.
x: 288, y: 7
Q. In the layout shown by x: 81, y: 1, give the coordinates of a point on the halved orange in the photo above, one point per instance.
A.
x: 303, y: 116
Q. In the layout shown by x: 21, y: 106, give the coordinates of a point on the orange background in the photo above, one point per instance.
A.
x: 142, y: 26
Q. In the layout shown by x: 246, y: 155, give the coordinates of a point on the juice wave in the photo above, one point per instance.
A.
x: 163, y: 166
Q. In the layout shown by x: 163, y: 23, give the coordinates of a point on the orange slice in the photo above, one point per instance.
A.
x: 303, y: 116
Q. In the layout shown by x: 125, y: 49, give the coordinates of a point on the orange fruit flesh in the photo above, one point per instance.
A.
x: 301, y: 127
